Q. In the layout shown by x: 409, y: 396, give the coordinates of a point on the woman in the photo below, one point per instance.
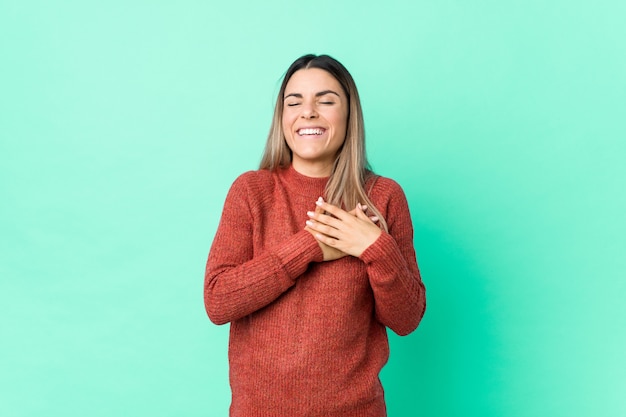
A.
x: 313, y: 259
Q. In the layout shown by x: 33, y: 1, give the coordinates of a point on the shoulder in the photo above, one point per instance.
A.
x: 388, y: 197
x: 254, y: 179
x: 379, y: 187
x: 253, y: 185
x: 249, y: 189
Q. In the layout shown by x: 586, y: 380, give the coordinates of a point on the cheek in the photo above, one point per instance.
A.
x: 341, y: 123
x: 288, y: 137
x: 287, y: 123
x: 287, y: 131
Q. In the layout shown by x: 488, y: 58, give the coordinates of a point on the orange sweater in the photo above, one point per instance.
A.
x: 308, y: 337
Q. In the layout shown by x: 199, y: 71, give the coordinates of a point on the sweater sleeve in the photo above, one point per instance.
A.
x: 238, y: 281
x: 399, y: 294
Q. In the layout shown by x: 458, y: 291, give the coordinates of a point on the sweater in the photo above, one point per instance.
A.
x: 308, y: 337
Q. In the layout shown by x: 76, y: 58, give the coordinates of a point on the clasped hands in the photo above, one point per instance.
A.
x: 339, y: 232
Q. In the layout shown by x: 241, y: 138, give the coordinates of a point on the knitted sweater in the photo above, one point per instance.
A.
x: 307, y: 337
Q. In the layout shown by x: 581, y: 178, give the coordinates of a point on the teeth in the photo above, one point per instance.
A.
x: 310, y: 131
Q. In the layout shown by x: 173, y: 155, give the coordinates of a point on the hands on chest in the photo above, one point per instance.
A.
x: 339, y: 232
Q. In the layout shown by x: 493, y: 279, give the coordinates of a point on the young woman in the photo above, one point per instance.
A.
x: 313, y: 259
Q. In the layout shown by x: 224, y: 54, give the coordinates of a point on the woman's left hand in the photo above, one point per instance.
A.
x: 347, y: 232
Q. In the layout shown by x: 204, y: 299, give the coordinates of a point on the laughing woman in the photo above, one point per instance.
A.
x: 313, y: 259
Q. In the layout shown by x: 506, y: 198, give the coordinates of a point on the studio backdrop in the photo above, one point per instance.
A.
x: 124, y: 123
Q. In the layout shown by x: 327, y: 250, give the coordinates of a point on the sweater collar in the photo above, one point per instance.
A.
x: 303, y: 185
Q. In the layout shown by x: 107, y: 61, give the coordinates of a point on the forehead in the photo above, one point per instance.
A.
x: 312, y: 80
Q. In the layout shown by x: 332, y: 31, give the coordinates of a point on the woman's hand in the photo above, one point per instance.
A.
x: 340, y: 232
x: 330, y: 253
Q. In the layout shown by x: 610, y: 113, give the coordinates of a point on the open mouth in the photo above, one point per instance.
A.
x: 311, y: 131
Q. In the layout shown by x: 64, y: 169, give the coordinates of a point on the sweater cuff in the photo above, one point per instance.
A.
x: 297, y: 252
x: 384, y: 253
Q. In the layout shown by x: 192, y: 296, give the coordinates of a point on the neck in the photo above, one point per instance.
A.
x: 311, y: 187
x: 313, y: 170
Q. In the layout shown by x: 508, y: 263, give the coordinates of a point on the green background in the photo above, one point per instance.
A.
x: 123, y: 123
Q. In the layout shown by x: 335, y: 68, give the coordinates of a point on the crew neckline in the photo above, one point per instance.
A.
x: 302, y: 184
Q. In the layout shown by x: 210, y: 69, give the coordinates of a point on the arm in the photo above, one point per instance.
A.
x: 238, y: 281
x: 400, y: 295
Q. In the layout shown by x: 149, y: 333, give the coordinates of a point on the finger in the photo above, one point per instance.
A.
x: 324, y: 219
x: 332, y: 242
x: 318, y: 209
x: 353, y: 213
x: 334, y: 210
x: 361, y: 215
x: 322, y: 228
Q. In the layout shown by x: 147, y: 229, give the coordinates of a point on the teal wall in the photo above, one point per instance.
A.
x: 123, y: 123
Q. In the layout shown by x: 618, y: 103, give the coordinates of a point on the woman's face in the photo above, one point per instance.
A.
x: 315, y: 118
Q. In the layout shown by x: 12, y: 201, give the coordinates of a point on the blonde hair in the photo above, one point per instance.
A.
x: 351, y: 170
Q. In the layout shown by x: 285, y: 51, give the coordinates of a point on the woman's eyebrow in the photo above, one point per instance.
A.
x: 321, y: 93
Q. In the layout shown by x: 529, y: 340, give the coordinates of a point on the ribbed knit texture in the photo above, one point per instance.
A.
x: 308, y: 337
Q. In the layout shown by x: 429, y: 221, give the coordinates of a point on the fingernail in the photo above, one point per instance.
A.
x: 310, y: 213
x: 320, y: 199
x: 309, y: 223
x: 319, y: 202
x: 374, y: 218
x: 363, y: 207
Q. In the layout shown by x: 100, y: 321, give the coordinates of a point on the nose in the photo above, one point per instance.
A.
x: 308, y: 111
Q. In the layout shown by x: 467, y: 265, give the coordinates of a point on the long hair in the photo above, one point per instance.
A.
x: 351, y: 170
